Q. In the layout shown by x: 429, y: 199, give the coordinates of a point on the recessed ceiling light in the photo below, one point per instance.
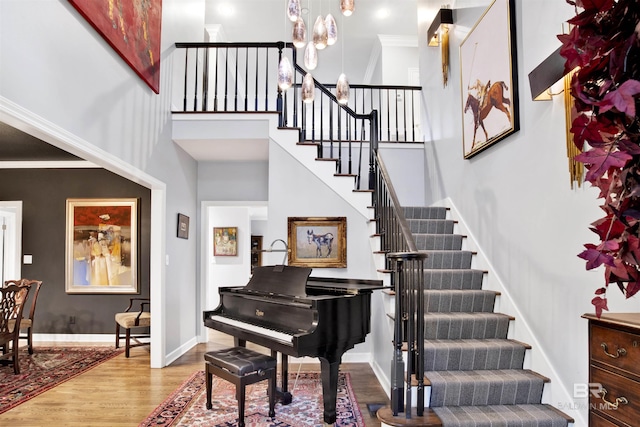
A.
x: 225, y: 9
x: 383, y: 13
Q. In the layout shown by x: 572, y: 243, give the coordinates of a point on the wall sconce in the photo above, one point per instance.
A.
x: 438, y: 35
x: 444, y: 17
x: 545, y: 75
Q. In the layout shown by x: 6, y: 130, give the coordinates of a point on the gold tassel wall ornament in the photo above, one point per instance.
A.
x: 444, y: 53
x: 576, y: 169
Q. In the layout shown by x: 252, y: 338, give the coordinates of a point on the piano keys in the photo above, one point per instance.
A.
x: 284, y: 309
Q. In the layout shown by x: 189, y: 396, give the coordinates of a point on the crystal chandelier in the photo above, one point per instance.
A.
x: 324, y: 33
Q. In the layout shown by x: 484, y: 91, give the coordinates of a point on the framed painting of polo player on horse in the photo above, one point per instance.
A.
x: 317, y: 242
x: 489, y: 79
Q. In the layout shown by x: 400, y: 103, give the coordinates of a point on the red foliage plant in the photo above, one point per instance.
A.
x: 604, y: 48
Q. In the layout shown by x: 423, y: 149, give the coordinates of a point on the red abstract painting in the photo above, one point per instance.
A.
x: 132, y: 28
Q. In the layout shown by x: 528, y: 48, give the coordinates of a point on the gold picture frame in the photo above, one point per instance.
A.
x: 489, y: 79
x: 225, y: 241
x: 101, y: 250
x: 317, y: 242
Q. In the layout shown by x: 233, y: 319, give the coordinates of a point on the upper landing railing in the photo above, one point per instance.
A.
x: 242, y: 77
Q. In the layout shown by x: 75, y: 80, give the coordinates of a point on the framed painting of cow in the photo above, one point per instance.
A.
x: 489, y: 79
x: 317, y: 242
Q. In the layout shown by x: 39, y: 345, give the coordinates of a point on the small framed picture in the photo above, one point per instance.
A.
x: 225, y: 241
x: 183, y: 226
x: 317, y: 242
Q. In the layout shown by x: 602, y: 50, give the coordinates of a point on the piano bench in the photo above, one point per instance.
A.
x: 241, y: 366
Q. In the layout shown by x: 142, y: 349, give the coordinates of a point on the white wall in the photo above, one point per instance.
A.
x: 294, y: 191
x: 515, y: 197
x: 59, y: 73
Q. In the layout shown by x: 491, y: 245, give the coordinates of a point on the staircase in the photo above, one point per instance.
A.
x: 475, y: 373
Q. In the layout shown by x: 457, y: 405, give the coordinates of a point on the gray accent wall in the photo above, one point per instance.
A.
x: 44, y: 193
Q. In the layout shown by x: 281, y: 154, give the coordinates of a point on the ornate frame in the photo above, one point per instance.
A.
x: 328, y: 234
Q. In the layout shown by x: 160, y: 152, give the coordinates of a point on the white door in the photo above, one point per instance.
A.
x: 10, y: 240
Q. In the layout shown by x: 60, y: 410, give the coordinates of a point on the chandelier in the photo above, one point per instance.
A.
x: 324, y: 33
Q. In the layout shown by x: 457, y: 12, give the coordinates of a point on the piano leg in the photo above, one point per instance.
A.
x: 329, y: 373
x: 282, y: 394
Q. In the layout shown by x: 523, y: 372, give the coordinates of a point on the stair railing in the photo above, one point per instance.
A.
x: 391, y: 224
x: 242, y: 77
x: 408, y: 282
x: 406, y: 265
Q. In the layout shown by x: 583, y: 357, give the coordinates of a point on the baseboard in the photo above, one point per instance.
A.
x: 79, y: 338
x: 174, y: 355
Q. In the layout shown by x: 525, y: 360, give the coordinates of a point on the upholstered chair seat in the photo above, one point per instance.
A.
x: 129, y: 320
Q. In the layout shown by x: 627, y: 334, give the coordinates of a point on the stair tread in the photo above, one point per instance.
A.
x: 500, y: 415
x: 486, y: 375
x: 470, y: 342
x: 462, y: 314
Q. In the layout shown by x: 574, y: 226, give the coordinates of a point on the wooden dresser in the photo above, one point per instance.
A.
x: 614, y: 369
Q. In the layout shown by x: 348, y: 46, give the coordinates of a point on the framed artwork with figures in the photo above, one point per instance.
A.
x: 488, y: 70
x: 225, y: 241
x: 102, y: 246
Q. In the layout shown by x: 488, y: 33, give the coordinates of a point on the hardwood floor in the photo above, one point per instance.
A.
x: 122, y: 392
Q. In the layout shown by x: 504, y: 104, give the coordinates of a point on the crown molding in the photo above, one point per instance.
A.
x: 387, y: 40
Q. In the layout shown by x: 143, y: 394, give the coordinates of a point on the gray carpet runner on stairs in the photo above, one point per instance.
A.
x: 475, y: 372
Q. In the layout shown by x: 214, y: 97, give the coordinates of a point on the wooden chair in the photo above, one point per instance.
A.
x: 133, y: 319
x: 27, y: 320
x: 12, y: 302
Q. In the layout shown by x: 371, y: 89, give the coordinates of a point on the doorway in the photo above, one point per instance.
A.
x: 10, y: 240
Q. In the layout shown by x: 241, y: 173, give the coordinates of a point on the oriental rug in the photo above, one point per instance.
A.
x: 186, y: 405
x: 46, y: 368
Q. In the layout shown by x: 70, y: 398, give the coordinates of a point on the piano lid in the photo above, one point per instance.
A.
x: 280, y: 280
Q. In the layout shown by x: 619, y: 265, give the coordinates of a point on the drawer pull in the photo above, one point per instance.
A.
x: 619, y: 400
x: 619, y: 352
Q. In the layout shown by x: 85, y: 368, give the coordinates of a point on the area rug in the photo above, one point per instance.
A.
x: 46, y: 368
x: 186, y: 405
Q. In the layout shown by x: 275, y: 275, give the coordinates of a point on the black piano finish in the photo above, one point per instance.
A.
x: 325, y: 317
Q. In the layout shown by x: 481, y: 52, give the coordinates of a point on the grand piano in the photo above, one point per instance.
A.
x: 284, y: 309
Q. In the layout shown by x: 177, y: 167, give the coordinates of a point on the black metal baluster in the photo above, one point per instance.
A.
x: 257, y: 73
x: 413, y: 116
x: 246, y: 79
x: 397, y: 370
x: 379, y: 130
x: 322, y: 117
x: 313, y: 122
x: 340, y: 139
x: 205, y: 80
x: 388, y: 116
x: 266, y: 81
x: 404, y: 112
x: 235, y: 95
x: 215, y: 89
x: 195, y: 84
x: 186, y: 73
x: 226, y: 77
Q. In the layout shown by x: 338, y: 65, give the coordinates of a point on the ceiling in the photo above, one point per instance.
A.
x: 256, y: 20
x: 266, y: 20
